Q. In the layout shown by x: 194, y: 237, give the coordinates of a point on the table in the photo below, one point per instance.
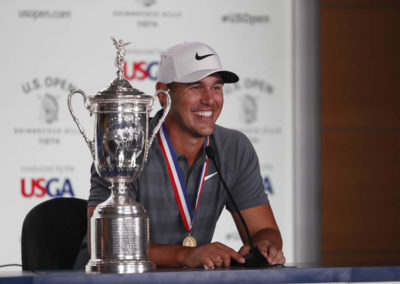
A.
x: 289, y: 274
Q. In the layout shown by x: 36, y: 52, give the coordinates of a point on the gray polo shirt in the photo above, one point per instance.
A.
x: 239, y: 167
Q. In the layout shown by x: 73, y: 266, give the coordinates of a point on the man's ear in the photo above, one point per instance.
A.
x: 161, y: 86
x: 161, y: 97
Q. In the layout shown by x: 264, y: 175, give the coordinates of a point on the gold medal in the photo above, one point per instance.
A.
x: 189, y: 241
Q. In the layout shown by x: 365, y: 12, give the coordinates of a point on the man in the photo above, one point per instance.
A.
x: 193, y: 75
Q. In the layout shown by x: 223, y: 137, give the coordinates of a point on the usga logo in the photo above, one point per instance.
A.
x: 140, y: 70
x: 39, y: 187
x: 268, y: 186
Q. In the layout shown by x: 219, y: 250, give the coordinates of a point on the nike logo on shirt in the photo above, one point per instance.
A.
x: 210, y: 176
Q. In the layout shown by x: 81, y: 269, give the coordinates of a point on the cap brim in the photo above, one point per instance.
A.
x: 227, y: 76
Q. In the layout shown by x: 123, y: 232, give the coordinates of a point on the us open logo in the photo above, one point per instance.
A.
x: 48, y: 92
x: 43, y: 95
x: 146, y: 3
x: 49, y: 108
x: 249, y: 93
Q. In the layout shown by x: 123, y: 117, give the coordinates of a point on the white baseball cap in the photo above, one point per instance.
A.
x: 190, y: 62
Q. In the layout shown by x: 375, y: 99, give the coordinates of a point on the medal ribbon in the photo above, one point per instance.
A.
x: 175, y: 176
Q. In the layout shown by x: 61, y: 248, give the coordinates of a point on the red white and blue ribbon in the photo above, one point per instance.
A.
x: 175, y: 176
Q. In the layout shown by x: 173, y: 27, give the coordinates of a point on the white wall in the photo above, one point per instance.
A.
x: 50, y: 46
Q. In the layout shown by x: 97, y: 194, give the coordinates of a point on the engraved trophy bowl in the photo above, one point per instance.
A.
x: 119, y: 227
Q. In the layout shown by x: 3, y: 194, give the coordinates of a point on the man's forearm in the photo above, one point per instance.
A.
x: 168, y: 255
x: 269, y: 234
x: 210, y: 255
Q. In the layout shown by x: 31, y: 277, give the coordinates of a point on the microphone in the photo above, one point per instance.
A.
x: 254, y: 258
x: 211, y: 154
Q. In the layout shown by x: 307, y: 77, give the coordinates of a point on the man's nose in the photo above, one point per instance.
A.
x: 207, y: 97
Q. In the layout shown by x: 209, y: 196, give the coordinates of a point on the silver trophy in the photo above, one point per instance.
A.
x: 119, y: 226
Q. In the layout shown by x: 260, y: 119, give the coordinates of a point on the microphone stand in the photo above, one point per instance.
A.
x: 254, y: 258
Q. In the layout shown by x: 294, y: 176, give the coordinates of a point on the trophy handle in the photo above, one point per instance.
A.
x: 160, y: 122
x: 87, y: 105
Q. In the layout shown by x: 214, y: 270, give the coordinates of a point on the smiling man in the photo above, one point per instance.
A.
x: 181, y: 230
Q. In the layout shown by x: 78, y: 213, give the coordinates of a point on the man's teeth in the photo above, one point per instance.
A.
x: 204, y: 113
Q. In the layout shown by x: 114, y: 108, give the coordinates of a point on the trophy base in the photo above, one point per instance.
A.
x: 119, y: 266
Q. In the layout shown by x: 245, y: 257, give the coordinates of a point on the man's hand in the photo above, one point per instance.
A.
x: 210, y: 255
x: 264, y: 231
x: 272, y: 253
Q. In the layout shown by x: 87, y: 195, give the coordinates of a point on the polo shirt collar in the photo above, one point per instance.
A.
x: 201, y: 158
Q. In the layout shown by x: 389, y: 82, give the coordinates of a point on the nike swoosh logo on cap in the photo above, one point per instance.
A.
x: 201, y: 57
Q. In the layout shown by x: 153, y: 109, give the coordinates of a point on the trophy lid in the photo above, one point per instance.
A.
x: 120, y: 88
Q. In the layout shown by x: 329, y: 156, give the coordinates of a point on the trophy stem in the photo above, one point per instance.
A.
x: 119, y: 192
